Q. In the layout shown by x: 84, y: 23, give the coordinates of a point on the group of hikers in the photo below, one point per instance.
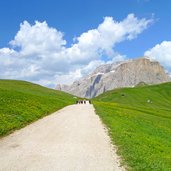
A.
x: 83, y: 102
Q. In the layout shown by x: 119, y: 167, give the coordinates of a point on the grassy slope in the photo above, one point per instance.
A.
x: 140, y: 129
x: 23, y: 102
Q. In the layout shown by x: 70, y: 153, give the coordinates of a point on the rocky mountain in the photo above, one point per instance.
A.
x: 122, y: 74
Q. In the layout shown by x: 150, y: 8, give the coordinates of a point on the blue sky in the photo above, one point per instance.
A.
x: 74, y: 17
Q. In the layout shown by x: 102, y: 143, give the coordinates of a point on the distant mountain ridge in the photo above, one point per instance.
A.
x: 121, y: 74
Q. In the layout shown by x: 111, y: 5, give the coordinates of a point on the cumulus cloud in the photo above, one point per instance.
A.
x: 162, y: 53
x: 101, y: 41
x: 39, y: 38
x: 39, y: 54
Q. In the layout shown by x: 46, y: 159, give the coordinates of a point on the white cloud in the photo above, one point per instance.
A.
x: 39, y: 54
x: 94, y: 43
x: 39, y: 38
x: 162, y: 53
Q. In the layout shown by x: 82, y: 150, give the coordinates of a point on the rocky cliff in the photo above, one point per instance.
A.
x: 122, y: 74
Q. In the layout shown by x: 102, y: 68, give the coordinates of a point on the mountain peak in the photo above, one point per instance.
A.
x: 128, y: 73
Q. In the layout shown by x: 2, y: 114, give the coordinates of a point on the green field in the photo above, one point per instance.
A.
x: 139, y: 122
x: 22, y: 103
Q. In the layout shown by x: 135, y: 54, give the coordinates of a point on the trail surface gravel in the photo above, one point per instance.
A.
x: 72, y: 139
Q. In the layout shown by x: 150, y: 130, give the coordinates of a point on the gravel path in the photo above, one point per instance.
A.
x: 72, y: 139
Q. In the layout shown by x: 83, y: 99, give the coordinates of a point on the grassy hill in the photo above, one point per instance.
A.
x: 22, y: 103
x: 139, y: 122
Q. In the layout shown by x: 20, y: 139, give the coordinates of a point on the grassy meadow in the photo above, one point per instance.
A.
x: 139, y: 123
x: 22, y: 103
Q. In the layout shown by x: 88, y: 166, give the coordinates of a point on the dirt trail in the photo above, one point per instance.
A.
x: 72, y: 139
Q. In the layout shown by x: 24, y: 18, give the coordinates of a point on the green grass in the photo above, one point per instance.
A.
x: 22, y: 103
x: 139, y: 122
